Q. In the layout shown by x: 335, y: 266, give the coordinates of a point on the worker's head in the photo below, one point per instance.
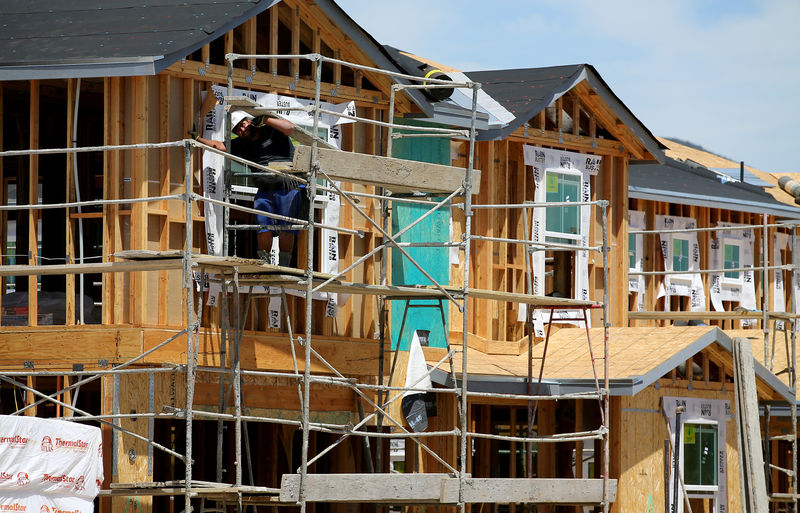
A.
x: 241, y: 123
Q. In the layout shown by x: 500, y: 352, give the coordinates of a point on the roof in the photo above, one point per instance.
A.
x: 682, y: 152
x: 92, y: 38
x: 106, y: 38
x: 526, y: 92
x: 638, y: 357
x: 678, y: 182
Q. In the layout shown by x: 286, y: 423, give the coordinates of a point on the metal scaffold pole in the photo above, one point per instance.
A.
x: 192, y: 328
x: 309, y: 288
x: 465, y: 299
x: 606, y: 384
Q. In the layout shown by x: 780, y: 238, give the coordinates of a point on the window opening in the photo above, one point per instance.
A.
x: 562, y: 224
x: 699, y: 444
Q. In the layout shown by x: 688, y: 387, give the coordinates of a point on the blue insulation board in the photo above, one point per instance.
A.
x: 435, y: 261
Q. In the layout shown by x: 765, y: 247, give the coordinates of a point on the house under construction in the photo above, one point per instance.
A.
x: 572, y: 312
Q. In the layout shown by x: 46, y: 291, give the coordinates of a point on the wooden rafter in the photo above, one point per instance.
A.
x: 610, y: 121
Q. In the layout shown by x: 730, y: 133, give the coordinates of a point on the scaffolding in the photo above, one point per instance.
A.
x: 456, y: 487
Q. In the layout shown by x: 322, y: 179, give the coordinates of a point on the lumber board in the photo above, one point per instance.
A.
x: 255, y: 272
x: 441, y: 489
x: 663, y: 316
x: 397, y: 175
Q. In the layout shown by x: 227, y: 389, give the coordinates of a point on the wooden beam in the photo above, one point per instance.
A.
x: 273, y: 37
x: 139, y: 189
x: 72, y: 92
x: 112, y: 180
x: 250, y: 37
x: 164, y: 99
x: 571, y: 142
x: 295, y: 28
x: 441, y: 489
x: 395, y: 174
x: 279, y: 84
x: 33, y: 198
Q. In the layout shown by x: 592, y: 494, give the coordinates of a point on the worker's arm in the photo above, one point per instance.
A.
x: 281, y: 125
x: 210, y: 142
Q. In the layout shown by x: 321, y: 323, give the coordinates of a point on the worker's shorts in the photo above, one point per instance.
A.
x: 289, y: 202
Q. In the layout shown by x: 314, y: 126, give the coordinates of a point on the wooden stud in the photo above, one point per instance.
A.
x: 250, y: 37
x: 139, y: 179
x: 205, y: 55
x: 33, y: 198
x: 69, y: 250
x: 229, y: 37
x: 164, y: 189
x: 30, y: 398
x: 273, y: 37
x: 576, y: 115
x: 337, y: 70
x: 295, y: 42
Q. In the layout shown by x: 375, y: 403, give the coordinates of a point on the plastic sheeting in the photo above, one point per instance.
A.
x: 49, y: 465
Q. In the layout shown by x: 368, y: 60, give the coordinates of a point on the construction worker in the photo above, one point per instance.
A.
x: 265, y: 142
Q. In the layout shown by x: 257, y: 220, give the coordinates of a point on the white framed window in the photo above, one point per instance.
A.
x: 731, y: 259
x: 681, y: 257
x: 563, y: 224
x: 699, y: 455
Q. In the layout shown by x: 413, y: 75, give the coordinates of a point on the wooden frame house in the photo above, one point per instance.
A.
x: 114, y: 307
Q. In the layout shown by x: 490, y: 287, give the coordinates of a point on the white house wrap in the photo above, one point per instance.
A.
x: 544, y: 161
x: 711, y: 412
x: 741, y: 289
x: 680, y: 284
x: 636, y: 250
x: 780, y: 241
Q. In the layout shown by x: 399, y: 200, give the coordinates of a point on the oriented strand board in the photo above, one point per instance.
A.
x: 642, y: 451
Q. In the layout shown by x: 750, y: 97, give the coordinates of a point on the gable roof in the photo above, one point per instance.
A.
x: 678, y: 182
x: 638, y: 357
x: 107, y: 38
x: 93, y: 38
x: 526, y: 92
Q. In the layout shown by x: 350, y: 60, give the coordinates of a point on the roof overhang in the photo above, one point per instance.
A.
x: 698, y: 200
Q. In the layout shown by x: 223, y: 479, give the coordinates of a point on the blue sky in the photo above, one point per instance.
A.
x: 722, y: 74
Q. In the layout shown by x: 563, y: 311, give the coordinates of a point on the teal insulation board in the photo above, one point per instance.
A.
x: 435, y: 261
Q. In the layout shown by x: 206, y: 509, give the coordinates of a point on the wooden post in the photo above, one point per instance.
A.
x: 72, y: 92
x: 132, y: 464
x: 33, y: 198
x: 139, y: 179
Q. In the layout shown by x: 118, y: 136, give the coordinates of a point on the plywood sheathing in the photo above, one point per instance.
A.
x: 641, y: 480
x: 682, y: 152
x: 633, y: 352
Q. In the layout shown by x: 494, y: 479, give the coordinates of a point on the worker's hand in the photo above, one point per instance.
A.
x: 193, y: 133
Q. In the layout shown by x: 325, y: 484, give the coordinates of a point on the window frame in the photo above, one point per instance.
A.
x: 685, y: 278
x: 550, y: 236
x: 727, y: 280
x: 694, y: 487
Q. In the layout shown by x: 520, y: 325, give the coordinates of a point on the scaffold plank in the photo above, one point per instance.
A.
x: 442, y: 489
x: 397, y: 175
x: 691, y: 316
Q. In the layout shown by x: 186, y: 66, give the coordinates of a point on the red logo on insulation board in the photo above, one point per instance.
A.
x: 47, y: 444
x: 15, y: 441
